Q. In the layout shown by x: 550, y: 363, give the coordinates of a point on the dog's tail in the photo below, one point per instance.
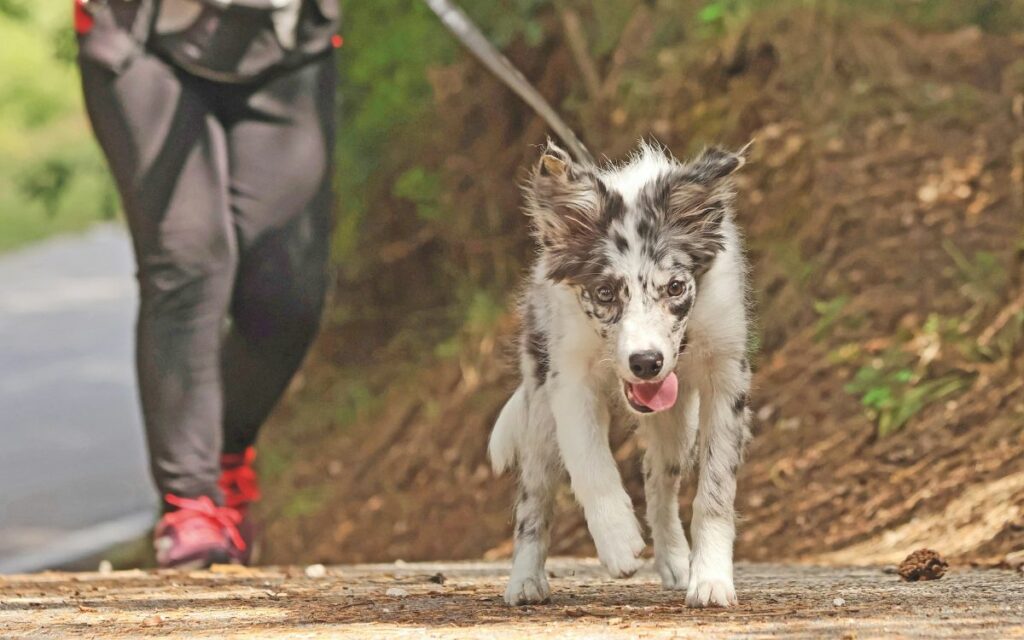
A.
x: 502, y: 447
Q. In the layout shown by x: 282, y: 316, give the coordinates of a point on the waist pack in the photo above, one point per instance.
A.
x: 233, y: 41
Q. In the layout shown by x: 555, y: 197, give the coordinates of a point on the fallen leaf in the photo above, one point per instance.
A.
x: 231, y: 569
x: 153, y: 621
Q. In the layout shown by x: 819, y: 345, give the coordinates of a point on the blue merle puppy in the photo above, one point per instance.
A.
x: 635, y: 309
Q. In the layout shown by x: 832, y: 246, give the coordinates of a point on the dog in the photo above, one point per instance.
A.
x: 636, y: 310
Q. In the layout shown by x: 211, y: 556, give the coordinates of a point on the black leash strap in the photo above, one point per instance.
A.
x: 456, y: 21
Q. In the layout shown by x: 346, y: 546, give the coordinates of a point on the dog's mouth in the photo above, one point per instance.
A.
x: 651, y: 397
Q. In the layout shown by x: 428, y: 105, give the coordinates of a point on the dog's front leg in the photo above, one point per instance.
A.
x: 722, y: 436
x: 670, y: 436
x: 582, y: 421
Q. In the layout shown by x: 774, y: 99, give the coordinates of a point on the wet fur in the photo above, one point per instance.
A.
x: 630, y: 229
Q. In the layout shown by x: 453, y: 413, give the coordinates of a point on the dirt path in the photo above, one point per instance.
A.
x: 449, y: 600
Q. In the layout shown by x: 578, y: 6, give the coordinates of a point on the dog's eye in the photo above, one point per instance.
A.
x: 604, y: 294
x: 675, y: 288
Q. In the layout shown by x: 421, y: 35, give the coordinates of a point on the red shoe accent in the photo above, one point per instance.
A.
x: 240, y: 486
x: 83, y: 19
x: 238, y: 481
x: 198, y: 534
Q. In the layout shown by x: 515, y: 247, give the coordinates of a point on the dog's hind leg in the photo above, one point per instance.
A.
x: 540, y: 470
x: 670, y: 437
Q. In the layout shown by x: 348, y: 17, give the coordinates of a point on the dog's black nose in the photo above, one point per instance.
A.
x: 646, y: 364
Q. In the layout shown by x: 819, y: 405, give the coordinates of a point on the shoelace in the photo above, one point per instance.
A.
x: 204, y: 507
x: 238, y: 480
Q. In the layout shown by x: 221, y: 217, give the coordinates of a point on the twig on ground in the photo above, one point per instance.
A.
x: 1004, y: 316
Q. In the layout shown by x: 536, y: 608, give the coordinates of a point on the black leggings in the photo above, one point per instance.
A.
x: 226, y: 189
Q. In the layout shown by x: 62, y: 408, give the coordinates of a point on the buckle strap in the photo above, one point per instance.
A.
x: 145, y: 19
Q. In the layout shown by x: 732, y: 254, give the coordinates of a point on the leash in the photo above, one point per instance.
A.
x: 460, y: 25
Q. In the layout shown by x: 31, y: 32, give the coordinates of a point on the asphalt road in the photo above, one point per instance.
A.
x: 463, y: 600
x: 73, y: 477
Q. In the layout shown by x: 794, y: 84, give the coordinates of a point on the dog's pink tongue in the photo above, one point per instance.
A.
x: 657, y: 396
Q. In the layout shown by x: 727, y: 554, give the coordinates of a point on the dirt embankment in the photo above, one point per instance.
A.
x: 883, y: 210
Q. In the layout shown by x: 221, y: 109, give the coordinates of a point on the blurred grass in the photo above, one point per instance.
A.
x: 388, y: 103
x: 52, y: 176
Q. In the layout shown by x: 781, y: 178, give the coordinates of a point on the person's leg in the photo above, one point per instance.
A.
x: 168, y: 154
x: 280, y: 149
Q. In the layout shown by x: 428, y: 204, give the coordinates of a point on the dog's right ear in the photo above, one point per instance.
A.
x: 563, y: 200
x: 555, y: 162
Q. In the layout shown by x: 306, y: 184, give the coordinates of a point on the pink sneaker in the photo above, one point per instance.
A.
x: 241, y: 488
x: 198, y: 534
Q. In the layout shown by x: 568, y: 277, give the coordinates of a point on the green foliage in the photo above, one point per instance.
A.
x: 450, y: 348
x: 983, y: 275
x: 483, y: 312
x: 64, y: 45
x: 1000, y: 16
x: 422, y: 187
x: 391, y: 46
x: 47, y: 183
x: 715, y: 17
x: 829, y: 312
x: 796, y: 268
x: 894, y: 396
x: 505, y: 21
x: 305, y: 501
x: 355, y: 400
x: 273, y: 463
x: 605, y: 29
x: 713, y: 11
x: 14, y: 9
x: 1006, y: 341
x: 896, y: 385
x: 52, y: 176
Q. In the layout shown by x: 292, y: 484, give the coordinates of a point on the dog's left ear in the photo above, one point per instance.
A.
x: 714, y: 164
x: 700, y: 197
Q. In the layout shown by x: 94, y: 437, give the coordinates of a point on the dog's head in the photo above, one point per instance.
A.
x: 633, y: 241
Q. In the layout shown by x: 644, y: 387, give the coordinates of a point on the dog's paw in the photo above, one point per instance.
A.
x: 527, y: 589
x: 620, y: 549
x: 718, y: 592
x: 674, y: 570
